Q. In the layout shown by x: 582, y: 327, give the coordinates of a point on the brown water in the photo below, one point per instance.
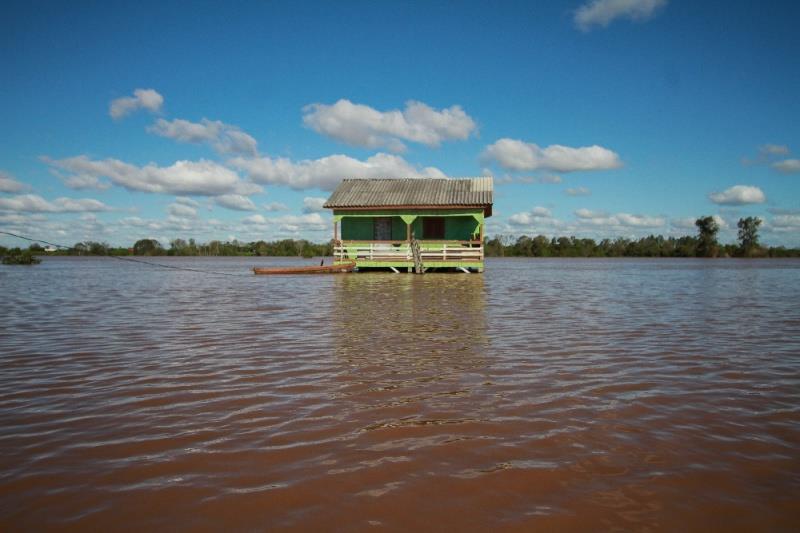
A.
x: 543, y: 395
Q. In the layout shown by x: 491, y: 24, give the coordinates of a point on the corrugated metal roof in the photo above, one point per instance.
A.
x: 412, y: 192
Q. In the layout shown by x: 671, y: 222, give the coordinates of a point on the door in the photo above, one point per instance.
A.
x: 433, y: 228
x: 382, y: 229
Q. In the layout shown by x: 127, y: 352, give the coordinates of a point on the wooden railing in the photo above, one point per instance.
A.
x: 430, y: 251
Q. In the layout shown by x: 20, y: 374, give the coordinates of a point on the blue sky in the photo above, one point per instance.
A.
x: 212, y: 121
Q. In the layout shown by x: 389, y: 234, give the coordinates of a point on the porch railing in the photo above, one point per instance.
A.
x: 388, y: 251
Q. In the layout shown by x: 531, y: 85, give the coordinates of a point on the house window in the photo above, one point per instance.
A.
x: 433, y: 228
x: 382, y: 229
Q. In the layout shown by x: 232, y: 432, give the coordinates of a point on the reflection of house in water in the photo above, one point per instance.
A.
x: 411, y: 223
x: 411, y: 322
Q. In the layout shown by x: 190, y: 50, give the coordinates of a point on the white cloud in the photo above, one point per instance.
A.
x: 586, y: 213
x: 547, y: 178
x: 327, y: 172
x: 225, y: 138
x: 187, y: 201
x: 33, y: 203
x: 639, y: 221
x: 787, y: 166
x: 785, y: 223
x: 361, y: 125
x: 738, y: 195
x: 721, y: 222
x: 236, y: 202
x: 774, y: 149
x: 537, y: 215
x: 142, y: 98
x: 599, y: 218
x: 275, y: 206
x: 290, y: 223
x: 683, y: 223
x: 513, y: 154
x: 313, y: 204
x: 182, y: 210
x: 85, y: 182
x: 578, y: 191
x: 9, y: 184
x: 205, y: 178
x: 587, y: 223
x: 604, y: 12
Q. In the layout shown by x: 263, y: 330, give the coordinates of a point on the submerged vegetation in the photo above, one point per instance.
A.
x: 15, y: 256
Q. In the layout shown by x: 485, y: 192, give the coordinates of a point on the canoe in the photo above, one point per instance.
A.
x: 322, y: 269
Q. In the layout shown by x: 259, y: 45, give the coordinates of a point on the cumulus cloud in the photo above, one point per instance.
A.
x: 313, y: 204
x: 787, y: 166
x: 683, y: 223
x: 600, y: 218
x: 33, y: 203
x: 275, y: 206
x: 224, y: 138
x: 204, y: 178
x: 774, y: 149
x: 587, y: 223
x: 362, y: 125
x: 183, y: 200
x: 289, y: 223
x: 82, y: 181
x: 513, y: 154
x: 547, y: 178
x: 236, y: 202
x: 182, y: 210
x: 586, y: 213
x: 327, y: 172
x: 9, y: 184
x: 577, y: 191
x: 537, y: 215
x: 604, y: 12
x: 738, y: 195
x: 142, y: 99
x: 785, y: 223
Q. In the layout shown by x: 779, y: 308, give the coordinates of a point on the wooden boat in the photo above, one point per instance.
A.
x: 321, y: 269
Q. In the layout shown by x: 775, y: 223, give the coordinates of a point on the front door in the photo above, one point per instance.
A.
x: 382, y: 229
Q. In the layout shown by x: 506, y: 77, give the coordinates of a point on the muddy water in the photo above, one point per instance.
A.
x: 546, y: 394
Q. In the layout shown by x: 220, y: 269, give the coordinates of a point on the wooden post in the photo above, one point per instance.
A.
x: 335, y: 231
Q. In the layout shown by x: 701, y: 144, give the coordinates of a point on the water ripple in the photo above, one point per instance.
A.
x: 551, y: 394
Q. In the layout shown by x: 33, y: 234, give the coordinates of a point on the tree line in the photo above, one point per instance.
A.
x: 181, y: 247
x: 704, y: 244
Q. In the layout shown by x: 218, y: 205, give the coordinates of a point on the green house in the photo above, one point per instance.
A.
x: 421, y: 224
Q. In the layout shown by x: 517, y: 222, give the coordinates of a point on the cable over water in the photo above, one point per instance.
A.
x: 130, y: 259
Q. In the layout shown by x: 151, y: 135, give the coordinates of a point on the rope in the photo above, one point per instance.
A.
x: 130, y: 259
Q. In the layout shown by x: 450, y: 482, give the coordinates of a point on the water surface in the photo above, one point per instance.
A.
x: 543, y: 394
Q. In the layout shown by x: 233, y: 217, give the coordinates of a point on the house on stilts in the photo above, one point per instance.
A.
x: 411, y: 224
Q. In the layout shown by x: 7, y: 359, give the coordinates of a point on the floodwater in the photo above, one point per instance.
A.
x: 573, y: 394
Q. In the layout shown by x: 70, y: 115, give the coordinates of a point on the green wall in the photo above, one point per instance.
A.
x: 456, y: 228
x: 356, y: 229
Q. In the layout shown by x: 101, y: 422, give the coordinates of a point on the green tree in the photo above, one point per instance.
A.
x: 748, y: 235
x: 147, y: 247
x: 540, y: 246
x: 494, y: 247
x: 707, y: 229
